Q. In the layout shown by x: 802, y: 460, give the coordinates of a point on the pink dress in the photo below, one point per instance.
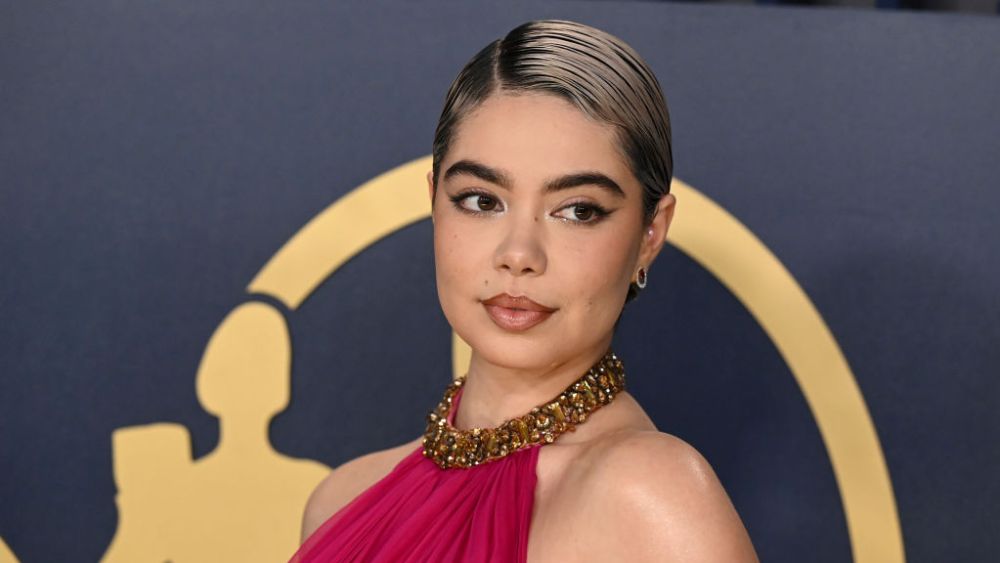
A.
x: 420, y: 512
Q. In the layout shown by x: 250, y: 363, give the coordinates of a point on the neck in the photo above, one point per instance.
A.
x: 244, y: 437
x: 493, y: 394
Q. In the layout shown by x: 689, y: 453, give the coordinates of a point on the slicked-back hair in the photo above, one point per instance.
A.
x: 595, y: 71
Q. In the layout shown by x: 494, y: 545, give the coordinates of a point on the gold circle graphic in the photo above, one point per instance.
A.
x: 709, y: 235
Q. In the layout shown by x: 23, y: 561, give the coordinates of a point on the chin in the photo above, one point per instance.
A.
x: 525, y: 355
x: 529, y: 350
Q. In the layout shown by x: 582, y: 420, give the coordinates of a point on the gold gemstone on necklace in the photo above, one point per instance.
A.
x: 450, y: 447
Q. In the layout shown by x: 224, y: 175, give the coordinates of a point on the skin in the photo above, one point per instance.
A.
x: 616, y: 488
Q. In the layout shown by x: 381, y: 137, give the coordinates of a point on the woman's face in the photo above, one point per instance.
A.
x: 535, y: 199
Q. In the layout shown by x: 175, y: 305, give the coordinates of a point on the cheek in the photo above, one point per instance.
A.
x: 455, y: 258
x: 597, y: 273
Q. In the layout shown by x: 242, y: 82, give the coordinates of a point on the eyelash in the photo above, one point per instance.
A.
x: 599, y: 212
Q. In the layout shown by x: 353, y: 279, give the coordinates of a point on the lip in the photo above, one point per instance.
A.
x: 516, y: 313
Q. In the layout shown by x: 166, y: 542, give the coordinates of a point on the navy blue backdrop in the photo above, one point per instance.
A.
x: 153, y: 156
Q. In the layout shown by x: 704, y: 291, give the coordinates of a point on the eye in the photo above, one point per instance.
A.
x: 475, y: 202
x: 583, y: 213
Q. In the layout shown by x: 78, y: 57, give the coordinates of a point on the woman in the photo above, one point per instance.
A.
x: 549, y: 189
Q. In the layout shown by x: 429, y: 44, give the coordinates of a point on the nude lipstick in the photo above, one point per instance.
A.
x: 516, y: 313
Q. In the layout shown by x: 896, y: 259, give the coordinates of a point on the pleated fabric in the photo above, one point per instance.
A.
x: 420, y: 512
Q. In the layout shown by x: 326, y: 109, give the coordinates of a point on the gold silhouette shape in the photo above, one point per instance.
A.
x: 244, y: 500
x: 6, y: 554
x: 169, y: 513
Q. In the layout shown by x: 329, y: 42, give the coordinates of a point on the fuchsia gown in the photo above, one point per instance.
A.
x: 420, y: 512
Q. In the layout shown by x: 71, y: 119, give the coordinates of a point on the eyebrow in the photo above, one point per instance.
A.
x: 565, y: 182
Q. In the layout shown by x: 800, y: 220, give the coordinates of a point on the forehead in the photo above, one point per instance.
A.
x: 534, y: 136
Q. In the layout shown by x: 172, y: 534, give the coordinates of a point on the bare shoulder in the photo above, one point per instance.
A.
x: 666, y: 502
x: 347, y: 481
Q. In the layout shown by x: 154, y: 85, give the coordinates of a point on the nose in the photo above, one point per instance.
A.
x: 521, y: 252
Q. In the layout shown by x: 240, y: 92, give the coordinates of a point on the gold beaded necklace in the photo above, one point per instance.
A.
x: 450, y: 447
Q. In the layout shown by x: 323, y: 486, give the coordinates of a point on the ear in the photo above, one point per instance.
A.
x: 656, y: 233
x: 430, y: 190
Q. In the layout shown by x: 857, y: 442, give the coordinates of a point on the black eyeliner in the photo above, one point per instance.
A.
x: 457, y: 198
